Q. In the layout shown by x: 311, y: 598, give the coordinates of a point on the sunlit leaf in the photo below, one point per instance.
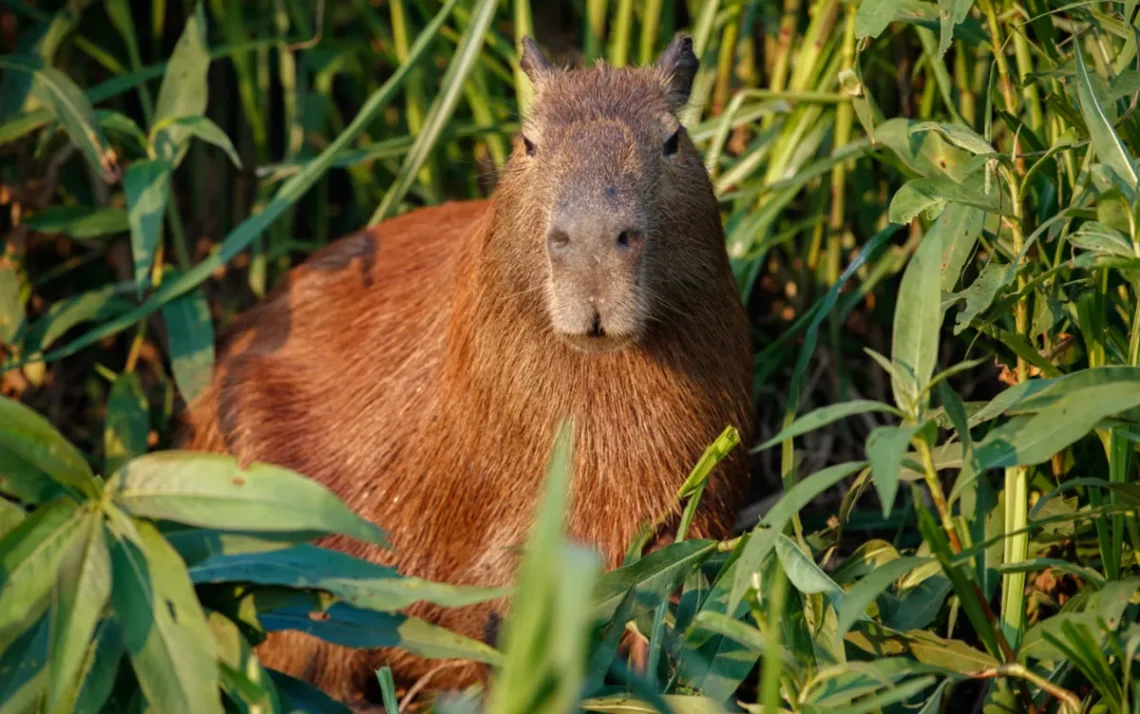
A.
x: 190, y: 332
x: 147, y: 185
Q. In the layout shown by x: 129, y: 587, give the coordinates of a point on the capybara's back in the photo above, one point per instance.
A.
x: 419, y: 369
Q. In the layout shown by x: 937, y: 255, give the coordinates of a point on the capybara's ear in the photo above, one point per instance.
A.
x: 533, y: 62
x: 677, y: 67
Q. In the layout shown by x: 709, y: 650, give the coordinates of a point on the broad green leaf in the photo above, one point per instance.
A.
x: 961, y: 136
x: 1102, y: 239
x: 926, y: 153
x: 870, y: 587
x: 184, y: 91
x: 677, y: 703
x: 71, y: 108
x: 918, y: 317
x: 1105, y: 141
x: 11, y: 516
x: 764, y: 537
x: 79, y: 222
x: 213, y: 491
x: 23, y: 481
x: 872, y: 18
x: 242, y: 675
x: 957, y: 228
x: 804, y: 574
x: 100, y: 304
x: 82, y: 589
x: 352, y: 627
x: 164, y: 628
x: 33, y: 439
x: 1025, y: 441
x: 652, y: 577
x: 30, y: 556
x: 128, y: 422
x: 869, y: 556
x: 353, y: 580
x: 930, y: 195
x: 147, y: 185
x: 923, y: 646
x: 886, y: 447
x: 981, y: 293
x: 303, y: 697
x: 824, y: 416
x: 23, y: 670
x: 165, y: 145
x: 918, y: 608
x: 891, y: 695
x: 101, y: 661
x: 198, y: 544
x: 190, y: 332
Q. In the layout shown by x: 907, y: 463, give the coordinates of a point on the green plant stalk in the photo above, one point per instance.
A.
x: 999, y: 56
x: 788, y: 21
x: 1029, y: 93
x: 524, y: 27
x: 650, y: 27
x: 622, y: 34
x: 930, y: 475
x: 413, y: 90
x: 772, y: 669
x: 967, y: 97
x: 595, y: 28
x: 725, y: 64
x: 844, y: 116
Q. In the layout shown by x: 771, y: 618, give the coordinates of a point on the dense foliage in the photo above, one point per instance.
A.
x: 933, y: 217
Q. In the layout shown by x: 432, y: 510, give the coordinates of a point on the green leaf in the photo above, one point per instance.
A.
x: 824, y: 416
x: 352, y: 627
x: 100, y: 304
x: 930, y: 195
x: 957, y: 228
x: 23, y: 481
x: 926, y: 153
x: 184, y: 91
x: 918, y: 318
x: 198, y: 544
x: 301, y: 696
x: 33, y: 439
x: 677, y: 703
x: 1101, y: 239
x: 82, y: 589
x: 353, y: 580
x: 11, y: 516
x: 652, y: 577
x: 128, y: 422
x: 213, y: 491
x: 101, y: 663
x: 886, y: 447
x: 923, y: 646
x: 147, y: 185
x: 30, y: 556
x: 981, y: 293
x: 79, y: 222
x: 961, y: 136
x: 23, y: 670
x: 190, y: 332
x: 870, y: 587
x: 873, y: 17
x: 71, y: 108
x: 164, y: 628
x: 1105, y: 141
x: 1025, y: 441
x: 804, y: 574
x: 166, y: 147
x: 764, y: 537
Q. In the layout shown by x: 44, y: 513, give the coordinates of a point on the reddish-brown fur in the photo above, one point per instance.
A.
x: 412, y: 369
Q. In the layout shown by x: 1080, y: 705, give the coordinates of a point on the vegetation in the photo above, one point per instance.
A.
x: 932, y: 214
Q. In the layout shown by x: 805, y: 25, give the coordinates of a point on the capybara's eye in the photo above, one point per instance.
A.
x: 671, y: 143
x: 529, y: 146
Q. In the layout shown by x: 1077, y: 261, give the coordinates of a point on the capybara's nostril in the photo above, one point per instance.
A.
x: 596, y: 329
x: 623, y: 240
x: 558, y: 240
x: 629, y: 241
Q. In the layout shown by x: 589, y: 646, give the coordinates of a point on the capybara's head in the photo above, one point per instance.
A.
x: 615, y: 206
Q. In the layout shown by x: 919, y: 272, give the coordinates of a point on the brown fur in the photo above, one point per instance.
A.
x: 413, y: 369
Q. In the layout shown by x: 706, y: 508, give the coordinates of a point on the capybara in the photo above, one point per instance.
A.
x: 419, y: 368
